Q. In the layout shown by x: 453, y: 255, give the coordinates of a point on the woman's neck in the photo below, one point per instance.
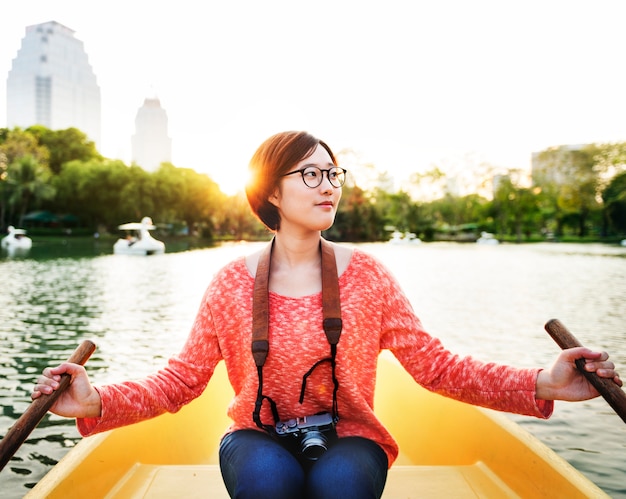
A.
x: 296, y: 267
x: 292, y: 251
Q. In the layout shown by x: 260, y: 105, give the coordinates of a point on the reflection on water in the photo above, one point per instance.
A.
x: 490, y: 301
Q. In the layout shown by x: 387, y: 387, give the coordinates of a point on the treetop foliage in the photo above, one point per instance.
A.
x: 575, y: 190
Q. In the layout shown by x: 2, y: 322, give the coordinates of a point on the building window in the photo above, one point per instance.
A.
x: 43, y: 105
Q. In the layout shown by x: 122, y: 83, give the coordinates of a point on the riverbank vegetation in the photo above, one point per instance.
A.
x: 56, y: 182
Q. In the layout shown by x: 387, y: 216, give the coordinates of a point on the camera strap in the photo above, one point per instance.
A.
x: 331, y: 308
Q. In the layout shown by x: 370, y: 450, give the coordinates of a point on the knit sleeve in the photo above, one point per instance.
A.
x: 491, y: 385
x: 183, y: 378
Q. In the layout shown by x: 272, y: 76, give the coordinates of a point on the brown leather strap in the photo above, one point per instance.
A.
x: 260, y: 306
x: 331, y: 304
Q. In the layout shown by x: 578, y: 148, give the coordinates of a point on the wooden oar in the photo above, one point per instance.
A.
x: 38, y: 408
x: 613, y: 394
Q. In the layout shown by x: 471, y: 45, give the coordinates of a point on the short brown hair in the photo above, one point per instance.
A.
x: 275, y: 157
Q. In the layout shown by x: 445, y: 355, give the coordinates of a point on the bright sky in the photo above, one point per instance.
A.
x: 405, y: 84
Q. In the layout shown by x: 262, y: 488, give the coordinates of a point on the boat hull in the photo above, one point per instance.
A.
x: 16, y: 240
x: 447, y: 449
x: 143, y: 248
x: 138, y: 240
x: 23, y: 244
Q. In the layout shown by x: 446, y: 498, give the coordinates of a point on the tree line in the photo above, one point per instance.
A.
x: 57, y: 179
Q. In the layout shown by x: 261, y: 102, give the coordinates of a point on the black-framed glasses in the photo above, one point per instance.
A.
x: 313, y: 176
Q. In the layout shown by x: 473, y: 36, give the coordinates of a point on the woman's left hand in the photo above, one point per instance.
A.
x: 563, y: 381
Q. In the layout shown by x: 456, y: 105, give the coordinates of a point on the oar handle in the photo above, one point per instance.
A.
x: 613, y: 394
x: 38, y: 408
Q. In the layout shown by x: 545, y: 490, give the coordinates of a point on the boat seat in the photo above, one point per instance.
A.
x: 194, y: 481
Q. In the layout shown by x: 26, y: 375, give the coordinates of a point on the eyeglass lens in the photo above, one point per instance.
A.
x: 313, y: 176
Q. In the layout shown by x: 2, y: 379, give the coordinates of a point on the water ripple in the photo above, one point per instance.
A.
x: 491, y: 302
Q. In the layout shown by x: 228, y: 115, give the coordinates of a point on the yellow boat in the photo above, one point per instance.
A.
x: 447, y: 449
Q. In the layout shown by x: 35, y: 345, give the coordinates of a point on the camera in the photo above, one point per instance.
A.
x: 312, y: 431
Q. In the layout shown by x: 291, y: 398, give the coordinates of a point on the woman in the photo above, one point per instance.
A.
x: 295, y: 190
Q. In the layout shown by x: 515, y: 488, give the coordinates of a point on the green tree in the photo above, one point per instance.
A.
x: 235, y: 219
x: 27, y: 181
x: 136, y: 195
x: 457, y: 210
x: 200, y: 202
x: 94, y: 191
x: 4, y: 187
x: 169, y: 187
x: 575, y: 176
x: 17, y: 143
x: 401, y: 212
x: 429, y: 185
x: 357, y: 218
x: 614, y: 197
x: 516, y: 209
x: 183, y: 194
x: 579, y: 194
x: 14, y: 145
x: 611, y: 159
x: 64, y: 145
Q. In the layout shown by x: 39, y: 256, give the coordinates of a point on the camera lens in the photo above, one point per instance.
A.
x: 313, y: 445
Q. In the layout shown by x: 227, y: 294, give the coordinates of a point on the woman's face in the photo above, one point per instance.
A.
x: 303, y: 207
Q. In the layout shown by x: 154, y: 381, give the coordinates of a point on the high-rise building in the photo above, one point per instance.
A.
x: 151, y: 144
x: 51, y: 83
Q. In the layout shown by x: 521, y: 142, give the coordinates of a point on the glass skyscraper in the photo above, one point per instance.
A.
x: 51, y: 83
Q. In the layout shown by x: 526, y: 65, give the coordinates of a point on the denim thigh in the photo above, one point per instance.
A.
x: 352, y: 468
x: 256, y: 465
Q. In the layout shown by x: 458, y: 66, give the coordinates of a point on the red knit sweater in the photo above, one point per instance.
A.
x: 376, y: 315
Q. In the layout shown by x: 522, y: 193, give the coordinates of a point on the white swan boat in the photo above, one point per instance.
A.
x: 487, y: 238
x: 398, y: 237
x: 16, y: 240
x: 138, y: 241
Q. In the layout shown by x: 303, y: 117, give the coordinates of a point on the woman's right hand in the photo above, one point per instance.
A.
x: 80, y: 400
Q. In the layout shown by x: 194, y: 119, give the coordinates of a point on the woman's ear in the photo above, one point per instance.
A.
x: 274, y: 197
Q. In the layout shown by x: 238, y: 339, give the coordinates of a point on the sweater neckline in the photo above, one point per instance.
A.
x: 344, y: 275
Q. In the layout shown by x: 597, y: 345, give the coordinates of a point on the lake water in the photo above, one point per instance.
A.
x: 488, y: 301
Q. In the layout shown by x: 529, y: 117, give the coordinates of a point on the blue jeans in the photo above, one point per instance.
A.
x: 257, y: 465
